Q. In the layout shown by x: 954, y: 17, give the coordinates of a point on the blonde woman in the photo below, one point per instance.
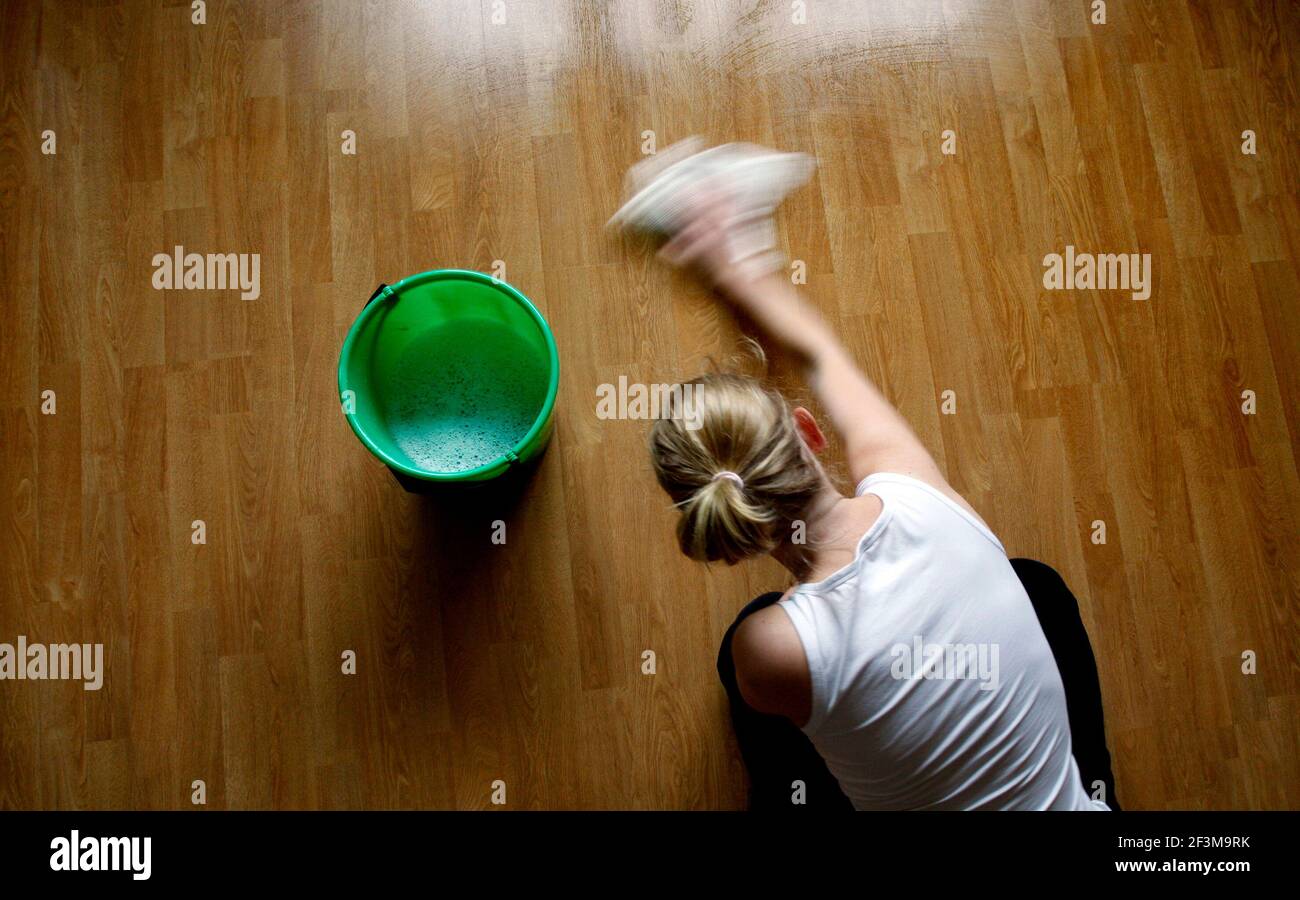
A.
x: 912, y: 665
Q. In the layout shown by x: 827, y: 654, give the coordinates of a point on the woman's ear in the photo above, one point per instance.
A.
x: 809, y: 430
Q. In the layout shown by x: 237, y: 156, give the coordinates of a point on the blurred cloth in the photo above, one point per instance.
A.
x: 663, y: 188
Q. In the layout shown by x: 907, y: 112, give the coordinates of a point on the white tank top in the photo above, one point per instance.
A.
x: 933, y: 686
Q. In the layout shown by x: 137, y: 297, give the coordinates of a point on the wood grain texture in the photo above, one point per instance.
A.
x: 478, y: 142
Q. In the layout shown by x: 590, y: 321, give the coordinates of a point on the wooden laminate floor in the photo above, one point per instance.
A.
x: 479, y: 141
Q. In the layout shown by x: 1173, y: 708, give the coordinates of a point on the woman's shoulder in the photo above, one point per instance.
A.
x: 771, y: 668
x: 896, y: 484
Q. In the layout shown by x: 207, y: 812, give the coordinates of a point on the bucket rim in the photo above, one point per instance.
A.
x: 502, y: 462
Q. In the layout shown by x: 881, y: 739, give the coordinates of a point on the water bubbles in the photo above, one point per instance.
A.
x: 463, y: 394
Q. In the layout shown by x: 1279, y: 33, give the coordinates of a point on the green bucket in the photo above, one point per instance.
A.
x: 450, y: 376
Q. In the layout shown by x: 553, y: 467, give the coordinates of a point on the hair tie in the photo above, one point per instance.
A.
x: 731, y: 476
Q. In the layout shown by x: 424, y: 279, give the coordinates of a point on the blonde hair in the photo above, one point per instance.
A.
x: 737, y: 428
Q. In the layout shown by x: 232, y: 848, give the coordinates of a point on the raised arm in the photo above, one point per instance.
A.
x: 876, y: 436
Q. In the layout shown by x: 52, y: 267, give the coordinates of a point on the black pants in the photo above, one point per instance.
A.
x: 777, y: 753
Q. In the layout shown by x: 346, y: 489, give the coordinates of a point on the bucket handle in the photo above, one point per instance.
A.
x: 382, y: 290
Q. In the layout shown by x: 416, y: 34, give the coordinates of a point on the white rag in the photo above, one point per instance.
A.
x: 754, y: 179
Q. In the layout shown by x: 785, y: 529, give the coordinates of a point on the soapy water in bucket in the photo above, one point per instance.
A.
x: 463, y: 394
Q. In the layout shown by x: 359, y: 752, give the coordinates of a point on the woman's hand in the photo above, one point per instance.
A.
x: 705, y: 243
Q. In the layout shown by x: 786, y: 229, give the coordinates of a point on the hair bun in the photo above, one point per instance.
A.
x: 738, y: 425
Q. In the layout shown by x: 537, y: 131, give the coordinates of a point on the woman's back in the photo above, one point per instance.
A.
x: 933, y: 685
